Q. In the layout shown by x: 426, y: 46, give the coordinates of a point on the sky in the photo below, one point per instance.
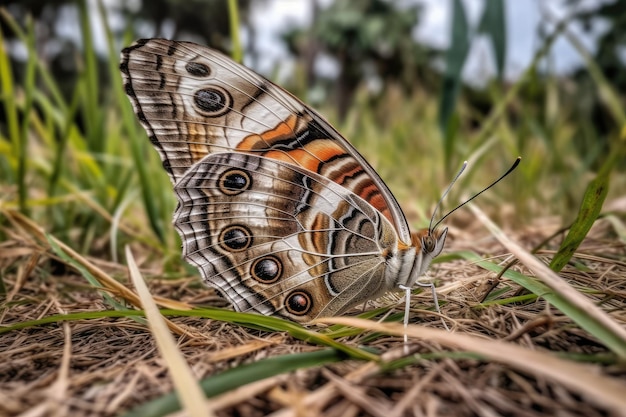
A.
x: 522, y: 18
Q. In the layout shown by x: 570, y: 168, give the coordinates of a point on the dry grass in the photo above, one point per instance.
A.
x: 80, y: 181
x: 100, y: 367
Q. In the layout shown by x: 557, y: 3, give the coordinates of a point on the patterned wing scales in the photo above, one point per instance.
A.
x: 278, y: 239
x: 194, y: 102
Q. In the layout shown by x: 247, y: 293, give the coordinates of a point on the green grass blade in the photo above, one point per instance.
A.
x: 7, y: 94
x: 454, y: 60
x: 60, y: 158
x: 91, y: 110
x: 29, y: 88
x: 580, y: 316
x: 499, y: 111
x: 608, y: 94
x: 47, y: 78
x: 493, y: 24
x: 240, y: 376
x: 254, y: 321
x: 274, y: 324
x: 590, y: 208
x: 531, y: 284
x: 149, y: 184
x: 233, y: 17
x: 58, y: 318
x: 152, y: 190
x: 510, y: 300
x: 89, y: 277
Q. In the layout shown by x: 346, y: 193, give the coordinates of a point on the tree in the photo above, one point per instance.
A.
x: 368, y: 39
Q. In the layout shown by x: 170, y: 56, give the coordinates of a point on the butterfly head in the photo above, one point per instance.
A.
x: 429, y: 242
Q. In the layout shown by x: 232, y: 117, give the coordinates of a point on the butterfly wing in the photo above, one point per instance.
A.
x: 278, y: 239
x: 194, y: 102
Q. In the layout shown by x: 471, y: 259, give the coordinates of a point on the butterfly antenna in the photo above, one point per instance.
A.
x: 432, y: 218
x: 515, y: 164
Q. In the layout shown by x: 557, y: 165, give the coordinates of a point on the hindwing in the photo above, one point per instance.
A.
x: 278, y: 239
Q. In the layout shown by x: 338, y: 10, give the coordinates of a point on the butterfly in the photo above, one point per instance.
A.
x: 276, y: 209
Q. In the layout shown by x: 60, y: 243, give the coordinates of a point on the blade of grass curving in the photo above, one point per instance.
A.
x: 556, y: 291
x: 217, y: 314
x: 274, y: 324
x: 187, y: 389
x: 243, y: 319
x: 253, y: 321
x: 590, y: 207
x: 602, y: 390
x: 58, y: 318
x: 530, y: 283
x: 240, y: 376
x: 104, y: 279
x: 493, y: 300
x: 88, y: 276
x: 580, y: 316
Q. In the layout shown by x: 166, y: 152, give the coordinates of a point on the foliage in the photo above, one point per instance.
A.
x: 75, y: 162
x: 608, y: 21
x: 201, y: 20
x: 69, y: 157
x: 369, y: 40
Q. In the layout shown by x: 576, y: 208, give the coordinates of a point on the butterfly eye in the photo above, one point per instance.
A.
x: 428, y: 243
x: 299, y: 303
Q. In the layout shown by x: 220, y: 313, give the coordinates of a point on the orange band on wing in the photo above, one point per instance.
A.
x: 284, y: 130
x: 346, y: 175
x: 372, y: 195
x: 312, y: 153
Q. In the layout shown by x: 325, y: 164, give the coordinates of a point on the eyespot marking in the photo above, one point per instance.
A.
x: 299, y: 303
x: 212, y: 101
x: 198, y: 69
x: 267, y: 270
x: 235, y: 238
x: 234, y: 181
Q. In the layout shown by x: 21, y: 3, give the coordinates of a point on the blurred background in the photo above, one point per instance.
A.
x: 418, y: 86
